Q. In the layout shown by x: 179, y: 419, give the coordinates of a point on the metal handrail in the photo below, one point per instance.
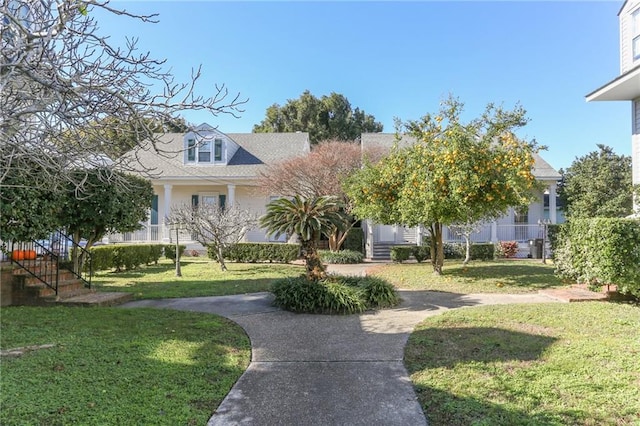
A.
x: 85, y: 266
x: 37, y: 260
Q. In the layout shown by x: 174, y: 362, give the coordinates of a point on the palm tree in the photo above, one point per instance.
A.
x: 308, y: 218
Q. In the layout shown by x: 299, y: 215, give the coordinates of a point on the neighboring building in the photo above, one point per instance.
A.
x: 626, y: 87
x: 521, y: 226
x: 206, y: 166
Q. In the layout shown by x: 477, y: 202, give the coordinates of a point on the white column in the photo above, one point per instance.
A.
x: 166, y: 237
x: 494, y: 232
x: 231, y: 195
x: 552, y: 203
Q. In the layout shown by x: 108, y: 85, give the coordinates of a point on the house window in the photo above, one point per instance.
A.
x: 635, y: 27
x: 204, y: 152
x: 191, y: 150
x: 521, y: 221
x: 217, y: 150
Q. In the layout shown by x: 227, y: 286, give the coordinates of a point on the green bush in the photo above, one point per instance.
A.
x: 354, y: 240
x: 599, y: 251
x: 259, y: 252
x: 453, y: 250
x: 335, y: 294
x: 170, y: 251
x: 401, y: 253
x: 482, y: 251
x: 341, y: 257
x: 421, y: 253
x: 124, y: 256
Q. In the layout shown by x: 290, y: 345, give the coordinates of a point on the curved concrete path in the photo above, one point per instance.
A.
x: 326, y: 370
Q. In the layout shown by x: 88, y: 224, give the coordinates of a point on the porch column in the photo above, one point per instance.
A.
x: 231, y: 195
x: 167, y: 208
x: 552, y: 203
x: 494, y: 232
x: 419, y: 235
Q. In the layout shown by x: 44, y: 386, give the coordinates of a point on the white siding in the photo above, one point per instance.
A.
x: 626, y: 37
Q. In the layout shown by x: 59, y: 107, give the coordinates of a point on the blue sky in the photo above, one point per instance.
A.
x: 399, y: 59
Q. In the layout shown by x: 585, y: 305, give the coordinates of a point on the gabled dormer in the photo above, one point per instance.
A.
x: 206, y: 146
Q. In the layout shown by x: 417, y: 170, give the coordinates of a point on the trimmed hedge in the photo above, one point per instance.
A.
x: 599, y: 251
x: 354, y: 240
x: 422, y: 253
x: 170, y: 251
x: 401, y: 253
x: 124, y: 256
x: 482, y: 251
x: 341, y: 257
x: 259, y: 252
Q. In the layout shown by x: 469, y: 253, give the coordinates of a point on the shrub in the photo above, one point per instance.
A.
x: 341, y: 257
x: 335, y: 294
x: 170, y: 251
x: 600, y: 251
x: 401, y: 253
x: 124, y: 256
x: 482, y: 251
x: 507, y: 249
x: 259, y: 252
x: 354, y: 240
x: 421, y: 253
x: 194, y: 253
x: 454, y: 250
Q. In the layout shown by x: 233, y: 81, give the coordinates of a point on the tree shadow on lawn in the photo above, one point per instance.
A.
x: 475, y: 354
x: 535, y: 276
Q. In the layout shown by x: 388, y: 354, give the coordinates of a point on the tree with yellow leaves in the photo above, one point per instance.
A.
x: 453, y: 173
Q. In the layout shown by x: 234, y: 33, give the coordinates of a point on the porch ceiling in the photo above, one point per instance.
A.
x: 624, y: 88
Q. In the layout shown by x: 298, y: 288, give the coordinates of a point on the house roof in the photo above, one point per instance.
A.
x: 256, y: 150
x: 541, y: 169
x: 625, y: 87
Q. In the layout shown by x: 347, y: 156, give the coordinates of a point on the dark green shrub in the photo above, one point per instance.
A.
x: 354, y: 240
x: 170, y: 251
x: 454, y: 250
x: 421, y: 253
x: 401, y: 253
x: 341, y: 257
x: 482, y: 251
x: 335, y: 294
x: 600, y: 251
x: 260, y: 252
x: 378, y: 293
x: 124, y: 256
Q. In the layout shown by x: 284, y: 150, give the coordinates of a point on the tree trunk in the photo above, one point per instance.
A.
x: 437, y: 260
x: 467, y: 257
x: 220, y: 256
x: 314, y: 267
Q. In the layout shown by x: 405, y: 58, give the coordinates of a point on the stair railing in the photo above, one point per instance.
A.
x: 68, y: 247
x: 35, y: 258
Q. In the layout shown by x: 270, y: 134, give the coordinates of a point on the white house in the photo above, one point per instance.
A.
x: 521, y: 226
x: 626, y: 87
x: 206, y: 166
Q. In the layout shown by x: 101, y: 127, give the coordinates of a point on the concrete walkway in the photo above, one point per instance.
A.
x: 326, y: 370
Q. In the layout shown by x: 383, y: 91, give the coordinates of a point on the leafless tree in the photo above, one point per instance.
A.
x: 60, y: 79
x: 214, y: 226
x: 318, y: 174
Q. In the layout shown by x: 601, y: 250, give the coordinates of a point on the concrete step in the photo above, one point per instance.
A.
x: 97, y: 299
x: 573, y: 294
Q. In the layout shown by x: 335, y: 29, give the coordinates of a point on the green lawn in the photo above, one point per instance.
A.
x: 541, y: 364
x: 117, y: 366
x: 500, y: 276
x: 200, y: 277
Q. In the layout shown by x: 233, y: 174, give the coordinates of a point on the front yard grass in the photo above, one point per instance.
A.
x: 539, y: 364
x: 499, y: 276
x: 200, y: 277
x: 117, y: 366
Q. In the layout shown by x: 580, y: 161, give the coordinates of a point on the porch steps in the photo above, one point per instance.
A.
x: 383, y: 251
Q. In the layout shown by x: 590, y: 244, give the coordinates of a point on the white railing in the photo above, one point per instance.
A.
x: 520, y: 233
x: 150, y: 233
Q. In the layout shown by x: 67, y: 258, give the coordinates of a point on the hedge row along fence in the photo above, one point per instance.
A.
x: 478, y: 251
x: 125, y: 256
x: 259, y: 252
x: 600, y: 251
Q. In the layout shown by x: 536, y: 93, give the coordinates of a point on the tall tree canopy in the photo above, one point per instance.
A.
x: 329, y: 117
x: 597, y: 185
x: 61, y: 77
x: 455, y: 172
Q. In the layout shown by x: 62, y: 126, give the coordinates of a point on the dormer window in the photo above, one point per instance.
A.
x: 204, y: 152
x: 217, y: 150
x: 635, y: 38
